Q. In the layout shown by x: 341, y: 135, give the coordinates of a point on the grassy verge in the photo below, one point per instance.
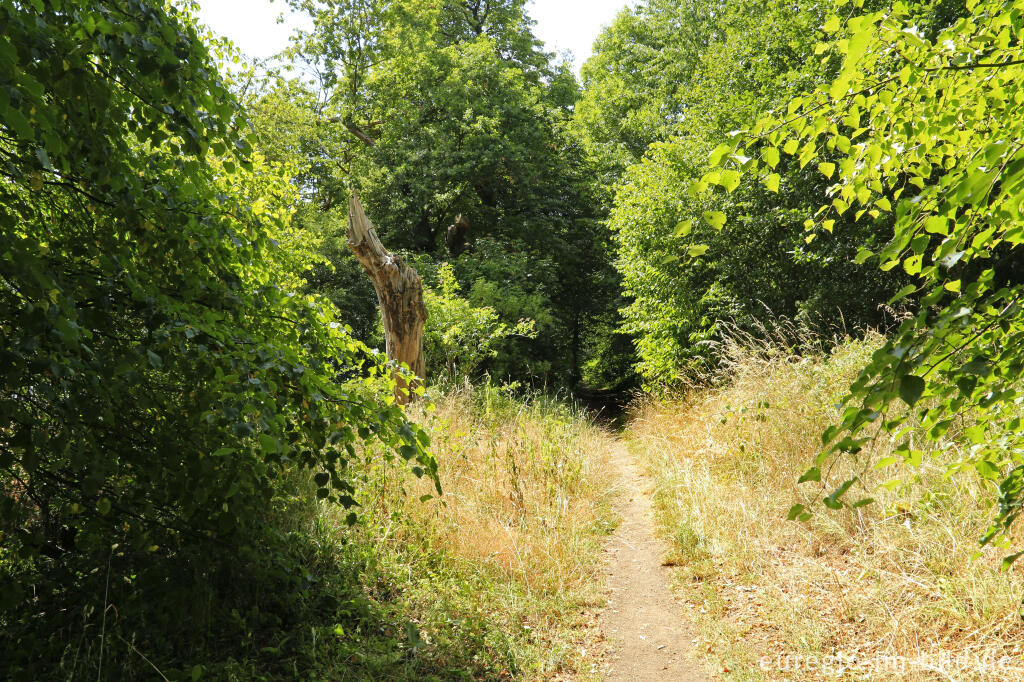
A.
x: 493, y: 581
x: 888, y: 591
x: 496, y: 579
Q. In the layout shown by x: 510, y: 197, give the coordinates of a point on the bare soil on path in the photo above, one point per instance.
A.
x: 644, y: 622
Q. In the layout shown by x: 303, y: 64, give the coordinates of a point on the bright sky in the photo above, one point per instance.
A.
x: 564, y: 25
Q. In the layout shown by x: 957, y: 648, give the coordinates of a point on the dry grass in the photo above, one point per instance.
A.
x: 526, y: 487
x: 892, y: 579
x: 511, y: 550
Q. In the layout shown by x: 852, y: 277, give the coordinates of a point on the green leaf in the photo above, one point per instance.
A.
x: 966, y: 385
x: 834, y: 501
x: 857, y: 46
x: 795, y: 511
x: 771, y: 182
x: 730, y: 180
x: 812, y: 474
x: 912, y: 265
x: 831, y: 24
x: 903, y: 293
x: 44, y: 158
x: 977, y: 367
x: 770, y: 155
x: 1008, y: 562
x: 683, y: 228
x: 269, y: 444
x: 242, y: 429
x: 715, y: 219
x: 863, y: 255
x: 936, y: 224
x: 839, y: 88
x: 720, y: 152
x: 698, y: 250
x: 827, y: 169
x: 712, y: 177
x: 987, y: 469
x: 19, y: 123
x: 911, y: 389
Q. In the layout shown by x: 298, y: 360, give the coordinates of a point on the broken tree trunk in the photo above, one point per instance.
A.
x: 399, y: 295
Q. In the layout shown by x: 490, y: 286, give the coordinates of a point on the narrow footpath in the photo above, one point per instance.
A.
x: 645, y: 624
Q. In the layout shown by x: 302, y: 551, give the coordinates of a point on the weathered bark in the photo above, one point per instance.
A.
x: 399, y: 295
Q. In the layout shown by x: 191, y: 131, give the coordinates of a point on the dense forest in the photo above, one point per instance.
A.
x: 738, y: 218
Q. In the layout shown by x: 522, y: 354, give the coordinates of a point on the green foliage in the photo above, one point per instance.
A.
x: 159, y: 368
x: 434, y: 111
x: 459, y: 337
x: 635, y: 85
x: 691, y: 260
x: 399, y: 596
x: 925, y: 127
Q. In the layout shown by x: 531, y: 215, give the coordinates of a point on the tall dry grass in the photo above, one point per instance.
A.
x: 527, y: 486
x: 891, y: 587
x: 505, y: 562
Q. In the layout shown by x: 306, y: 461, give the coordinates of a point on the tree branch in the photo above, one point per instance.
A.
x: 354, y: 129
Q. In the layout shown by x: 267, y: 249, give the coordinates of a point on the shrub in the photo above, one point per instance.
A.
x: 459, y: 337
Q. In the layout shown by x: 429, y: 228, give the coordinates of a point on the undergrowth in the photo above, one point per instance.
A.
x: 896, y: 589
x: 492, y: 580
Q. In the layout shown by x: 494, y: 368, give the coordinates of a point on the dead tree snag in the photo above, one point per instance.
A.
x: 399, y: 295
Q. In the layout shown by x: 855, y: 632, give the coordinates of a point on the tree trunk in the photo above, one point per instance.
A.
x: 399, y: 295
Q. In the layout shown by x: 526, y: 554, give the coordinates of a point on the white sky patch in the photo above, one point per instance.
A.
x: 252, y: 24
x: 563, y: 25
x: 573, y: 25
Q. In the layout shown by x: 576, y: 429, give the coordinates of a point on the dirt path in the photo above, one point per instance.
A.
x: 643, y: 621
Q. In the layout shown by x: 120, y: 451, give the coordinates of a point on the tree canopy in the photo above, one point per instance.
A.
x: 436, y: 112
x: 727, y: 64
x: 923, y: 127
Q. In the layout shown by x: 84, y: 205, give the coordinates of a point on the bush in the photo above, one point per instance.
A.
x: 459, y: 337
x: 159, y: 370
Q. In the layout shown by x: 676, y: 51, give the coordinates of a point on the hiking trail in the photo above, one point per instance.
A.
x: 644, y: 623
